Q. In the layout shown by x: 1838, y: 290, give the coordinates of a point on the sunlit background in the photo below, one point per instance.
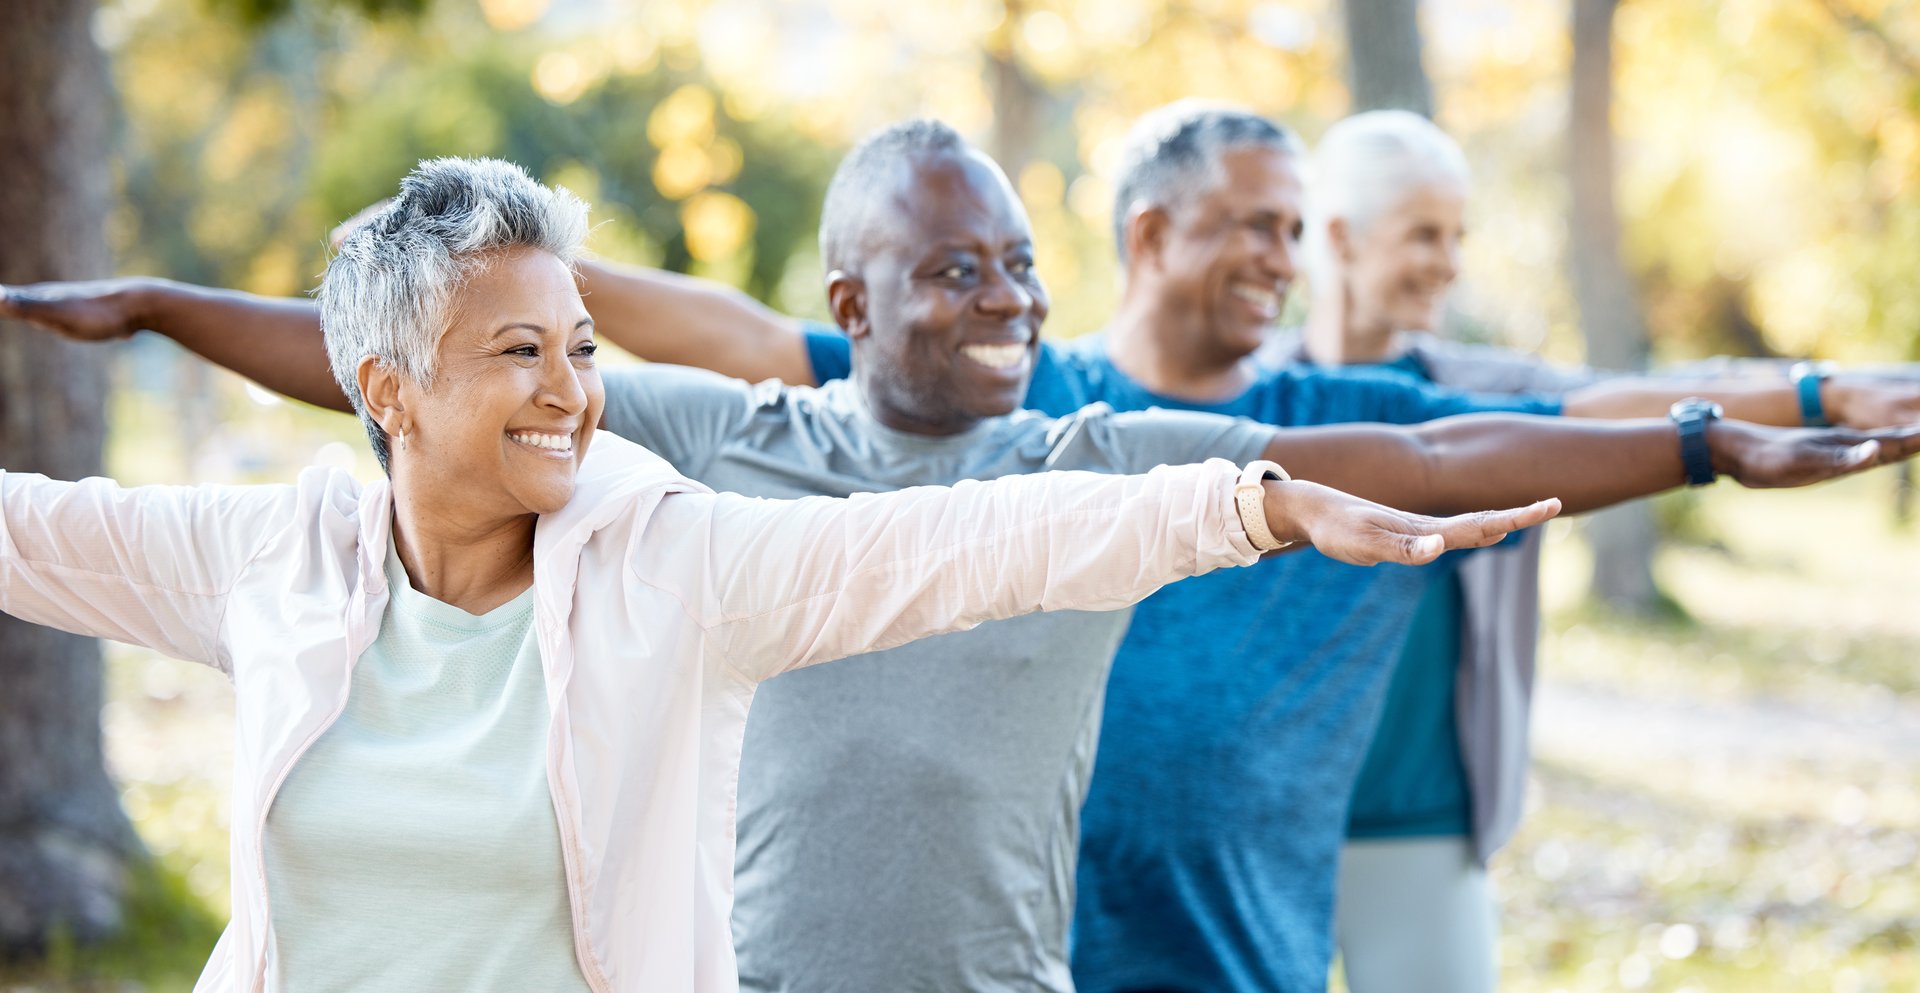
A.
x: 1727, y: 800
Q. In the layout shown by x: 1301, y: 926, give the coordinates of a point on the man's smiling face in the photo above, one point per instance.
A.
x: 1229, y: 253
x: 952, y: 305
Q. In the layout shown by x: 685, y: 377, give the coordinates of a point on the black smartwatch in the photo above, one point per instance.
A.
x: 1692, y: 415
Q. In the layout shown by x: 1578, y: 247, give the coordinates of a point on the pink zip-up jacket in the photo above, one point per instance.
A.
x: 659, y: 606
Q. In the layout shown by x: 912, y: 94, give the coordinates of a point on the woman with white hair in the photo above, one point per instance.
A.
x: 1441, y: 788
x: 490, y: 708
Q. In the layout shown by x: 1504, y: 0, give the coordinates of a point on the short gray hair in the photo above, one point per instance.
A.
x: 864, y: 177
x: 1174, y: 152
x: 1365, y: 165
x: 389, y: 292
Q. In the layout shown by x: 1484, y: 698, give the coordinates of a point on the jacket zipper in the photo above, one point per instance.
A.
x: 569, y: 853
x: 260, y: 833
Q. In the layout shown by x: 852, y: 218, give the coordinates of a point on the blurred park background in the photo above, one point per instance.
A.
x: 1728, y: 790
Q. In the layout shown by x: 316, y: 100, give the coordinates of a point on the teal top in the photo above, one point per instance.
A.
x: 1413, y: 783
x: 414, y: 847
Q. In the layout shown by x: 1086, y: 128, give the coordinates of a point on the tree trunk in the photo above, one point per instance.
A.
x: 65, y: 845
x: 1384, y: 66
x: 1020, y: 104
x: 1623, y: 538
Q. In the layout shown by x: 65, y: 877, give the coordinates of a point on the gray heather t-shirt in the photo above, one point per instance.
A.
x: 909, y: 820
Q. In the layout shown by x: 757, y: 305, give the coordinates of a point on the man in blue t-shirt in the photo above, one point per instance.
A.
x: 1244, y: 706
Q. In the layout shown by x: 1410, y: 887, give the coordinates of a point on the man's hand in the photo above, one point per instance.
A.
x: 1865, y: 403
x: 1763, y: 457
x: 1360, y: 532
x: 96, y: 310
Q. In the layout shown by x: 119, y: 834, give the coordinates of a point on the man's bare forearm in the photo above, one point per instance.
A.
x: 1471, y: 462
x: 1588, y: 464
x: 667, y: 317
x: 1773, y: 403
x: 274, y: 341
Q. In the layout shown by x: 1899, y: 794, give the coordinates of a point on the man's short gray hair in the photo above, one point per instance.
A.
x: 854, y: 195
x: 1365, y: 166
x: 1174, y: 152
x: 389, y: 292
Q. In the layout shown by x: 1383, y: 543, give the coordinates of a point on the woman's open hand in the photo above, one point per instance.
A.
x: 1349, y: 529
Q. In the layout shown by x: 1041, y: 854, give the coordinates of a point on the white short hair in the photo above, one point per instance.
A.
x: 389, y: 292
x: 1365, y: 166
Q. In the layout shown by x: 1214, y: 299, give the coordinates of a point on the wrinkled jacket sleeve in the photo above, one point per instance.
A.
x: 787, y: 583
x: 149, y: 566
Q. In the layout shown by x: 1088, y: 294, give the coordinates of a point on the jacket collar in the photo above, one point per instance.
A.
x: 615, y: 475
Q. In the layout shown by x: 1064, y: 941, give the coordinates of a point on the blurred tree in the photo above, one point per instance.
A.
x: 1776, y: 151
x: 1384, y: 63
x: 322, y: 113
x: 1020, y: 102
x: 65, y: 845
x: 1623, y: 538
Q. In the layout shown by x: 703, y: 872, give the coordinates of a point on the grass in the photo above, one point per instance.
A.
x: 1729, y: 802
x: 169, y: 932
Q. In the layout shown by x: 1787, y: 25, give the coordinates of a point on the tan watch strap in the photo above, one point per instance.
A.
x: 1250, y: 498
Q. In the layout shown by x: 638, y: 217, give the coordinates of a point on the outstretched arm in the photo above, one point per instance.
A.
x: 273, y: 341
x: 788, y: 583
x: 667, y: 317
x: 151, y: 566
x: 276, y: 342
x: 1850, y: 400
x: 1460, y: 463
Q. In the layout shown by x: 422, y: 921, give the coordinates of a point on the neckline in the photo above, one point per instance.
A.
x: 401, y: 594
x: 844, y: 394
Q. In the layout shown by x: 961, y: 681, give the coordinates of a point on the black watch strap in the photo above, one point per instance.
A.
x: 1692, y: 416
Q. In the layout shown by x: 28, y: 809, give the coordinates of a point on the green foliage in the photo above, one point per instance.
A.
x: 1773, y: 154
x: 259, y: 12
x: 235, y: 164
x: 166, y: 940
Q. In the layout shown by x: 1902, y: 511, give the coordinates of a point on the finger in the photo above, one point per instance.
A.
x: 1489, y: 526
x: 1897, y: 445
x: 1834, y: 462
x: 1421, y: 549
x: 1538, y: 512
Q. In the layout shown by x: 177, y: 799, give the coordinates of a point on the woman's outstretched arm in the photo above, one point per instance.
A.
x: 789, y: 583
x: 149, y: 566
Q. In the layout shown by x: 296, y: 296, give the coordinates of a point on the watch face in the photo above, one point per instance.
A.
x: 1696, y: 408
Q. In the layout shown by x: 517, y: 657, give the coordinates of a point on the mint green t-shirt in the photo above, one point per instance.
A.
x: 414, y: 847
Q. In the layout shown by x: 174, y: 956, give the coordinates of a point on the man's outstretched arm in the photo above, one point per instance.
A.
x: 1459, y: 464
x: 667, y: 317
x: 273, y: 341
x: 276, y: 341
x: 1865, y: 402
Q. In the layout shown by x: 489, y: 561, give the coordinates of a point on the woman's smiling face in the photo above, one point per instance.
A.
x: 1403, y: 263
x: 515, y: 394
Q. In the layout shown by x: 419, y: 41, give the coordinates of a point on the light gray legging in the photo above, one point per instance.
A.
x: 1415, y: 914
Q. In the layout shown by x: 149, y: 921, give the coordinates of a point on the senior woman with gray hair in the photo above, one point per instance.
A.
x: 1442, y: 787
x: 489, y: 710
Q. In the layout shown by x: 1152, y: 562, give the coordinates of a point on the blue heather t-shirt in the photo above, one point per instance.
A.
x: 1238, y: 710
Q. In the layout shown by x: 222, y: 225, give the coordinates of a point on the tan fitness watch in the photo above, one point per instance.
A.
x: 1250, y: 498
